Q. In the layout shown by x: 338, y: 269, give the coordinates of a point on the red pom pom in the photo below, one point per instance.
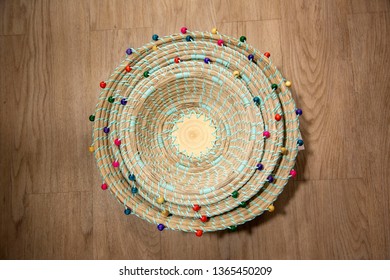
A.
x: 267, y: 54
x: 103, y: 84
x: 196, y: 207
x: 220, y: 42
x: 183, y: 30
x: 199, y: 233
x: 278, y: 117
x: 293, y: 173
x: 177, y: 60
x: 104, y: 186
x: 117, y: 142
x: 128, y: 68
x: 204, y: 218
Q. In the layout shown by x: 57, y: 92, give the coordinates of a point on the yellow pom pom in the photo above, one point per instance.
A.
x: 91, y: 149
x: 271, y: 208
x: 283, y: 150
x: 165, y: 213
x: 154, y: 48
x: 214, y: 30
x: 160, y: 200
x: 236, y: 73
x: 288, y: 84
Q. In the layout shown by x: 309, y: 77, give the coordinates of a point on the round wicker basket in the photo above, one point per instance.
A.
x: 196, y: 132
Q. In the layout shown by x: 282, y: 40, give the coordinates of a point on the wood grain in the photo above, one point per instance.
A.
x: 53, y: 55
x: 14, y: 16
x: 370, y: 51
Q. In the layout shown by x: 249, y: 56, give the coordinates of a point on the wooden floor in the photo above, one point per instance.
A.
x: 53, y: 55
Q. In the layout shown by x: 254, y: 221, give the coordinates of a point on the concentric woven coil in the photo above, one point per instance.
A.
x: 227, y: 83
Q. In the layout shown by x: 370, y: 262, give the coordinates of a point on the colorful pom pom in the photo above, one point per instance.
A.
x: 132, y: 177
x: 243, y: 204
x: 266, y: 134
x: 242, y: 39
x: 117, y: 142
x: 278, y: 117
x: 293, y: 173
x: 283, y: 150
x: 115, y: 163
x: 204, y: 218
x: 165, y: 213
x: 267, y: 54
x: 104, y: 186
x: 199, y: 233
x: 160, y: 227
x: 103, y: 84
x: 160, y: 200
x: 183, y: 30
x: 155, y: 37
x: 196, y: 207
x: 259, y: 166
x: 129, y: 51
x: 232, y: 228
x: 235, y: 194
x: 220, y: 42
x: 127, y: 211
x: 106, y: 129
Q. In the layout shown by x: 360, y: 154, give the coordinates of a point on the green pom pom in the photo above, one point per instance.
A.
x: 242, y: 39
x: 111, y: 99
x: 146, y: 74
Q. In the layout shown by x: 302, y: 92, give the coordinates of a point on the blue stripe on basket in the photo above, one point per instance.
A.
x: 139, y: 161
x: 148, y: 92
x: 242, y: 166
x: 217, y: 80
x: 182, y: 75
x: 171, y: 111
x: 208, y: 190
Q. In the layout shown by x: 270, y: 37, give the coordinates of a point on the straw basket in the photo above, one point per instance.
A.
x: 196, y: 132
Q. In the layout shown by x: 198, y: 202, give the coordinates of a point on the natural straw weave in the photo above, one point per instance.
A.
x: 192, y: 87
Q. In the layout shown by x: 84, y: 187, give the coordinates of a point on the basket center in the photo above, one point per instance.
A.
x: 194, y: 135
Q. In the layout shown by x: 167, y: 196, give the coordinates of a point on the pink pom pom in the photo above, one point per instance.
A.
x: 104, y: 186
x: 183, y: 30
x: 220, y: 42
x: 117, y: 142
x: 115, y: 164
x: 293, y: 173
x: 266, y: 134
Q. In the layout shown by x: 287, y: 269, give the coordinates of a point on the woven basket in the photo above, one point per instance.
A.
x: 196, y: 132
